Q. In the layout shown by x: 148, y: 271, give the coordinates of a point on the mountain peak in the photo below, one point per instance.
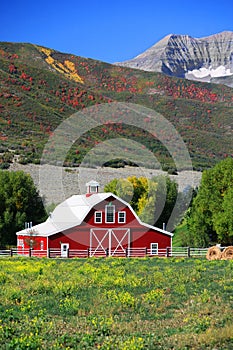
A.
x: 181, y: 55
x: 225, y: 33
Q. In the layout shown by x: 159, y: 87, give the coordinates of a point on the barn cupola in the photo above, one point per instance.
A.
x: 92, y: 187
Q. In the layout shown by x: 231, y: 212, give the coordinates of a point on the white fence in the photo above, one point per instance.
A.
x: 128, y: 252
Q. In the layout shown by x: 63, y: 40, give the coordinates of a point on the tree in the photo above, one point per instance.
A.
x: 19, y: 203
x: 152, y: 200
x: 210, y: 219
x: 146, y: 203
x: 130, y: 189
x: 166, y: 197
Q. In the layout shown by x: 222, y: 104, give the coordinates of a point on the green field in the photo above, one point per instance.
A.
x: 116, y: 303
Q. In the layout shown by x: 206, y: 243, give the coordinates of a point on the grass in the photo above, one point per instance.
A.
x: 179, y: 233
x: 114, y: 303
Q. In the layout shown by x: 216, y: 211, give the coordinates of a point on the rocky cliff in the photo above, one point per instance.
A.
x: 204, y: 59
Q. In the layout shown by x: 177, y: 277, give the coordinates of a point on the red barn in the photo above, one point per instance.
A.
x: 94, y: 224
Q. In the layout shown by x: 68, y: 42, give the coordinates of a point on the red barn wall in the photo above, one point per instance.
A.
x: 141, y: 240
x: 37, y: 244
x: 79, y: 238
x: 76, y: 239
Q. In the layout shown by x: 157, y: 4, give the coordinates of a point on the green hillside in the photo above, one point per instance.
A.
x: 40, y: 87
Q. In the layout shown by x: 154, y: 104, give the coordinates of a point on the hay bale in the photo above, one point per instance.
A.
x: 227, y: 254
x: 214, y: 253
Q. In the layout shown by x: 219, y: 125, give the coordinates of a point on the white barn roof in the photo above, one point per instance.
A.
x: 72, y: 212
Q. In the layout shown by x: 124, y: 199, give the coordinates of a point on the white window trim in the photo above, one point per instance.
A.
x: 98, y: 222
x: 106, y: 208
x: 152, y: 249
x: 121, y: 222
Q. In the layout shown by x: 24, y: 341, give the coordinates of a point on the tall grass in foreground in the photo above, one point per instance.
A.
x: 115, y: 303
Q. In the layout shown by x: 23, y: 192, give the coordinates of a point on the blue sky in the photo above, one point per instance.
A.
x: 110, y: 31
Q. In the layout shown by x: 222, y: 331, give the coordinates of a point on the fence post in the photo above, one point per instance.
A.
x: 146, y: 251
x: 88, y: 252
x: 11, y: 252
x: 68, y: 253
x: 189, y: 252
x: 48, y: 252
x: 167, y: 252
x: 30, y: 252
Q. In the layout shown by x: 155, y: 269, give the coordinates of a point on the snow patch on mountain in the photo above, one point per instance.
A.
x: 203, y: 72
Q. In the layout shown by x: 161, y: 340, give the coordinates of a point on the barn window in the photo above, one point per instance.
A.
x: 154, y: 248
x: 93, y: 189
x: 98, y: 217
x: 20, y: 243
x: 110, y: 213
x: 121, y: 217
x: 41, y: 245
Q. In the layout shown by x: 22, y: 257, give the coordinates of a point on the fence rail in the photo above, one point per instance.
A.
x: 5, y: 252
x: 127, y: 252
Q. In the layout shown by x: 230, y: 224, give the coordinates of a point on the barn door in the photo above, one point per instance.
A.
x: 64, y: 250
x: 119, y: 241
x: 112, y: 242
x: 99, y: 242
